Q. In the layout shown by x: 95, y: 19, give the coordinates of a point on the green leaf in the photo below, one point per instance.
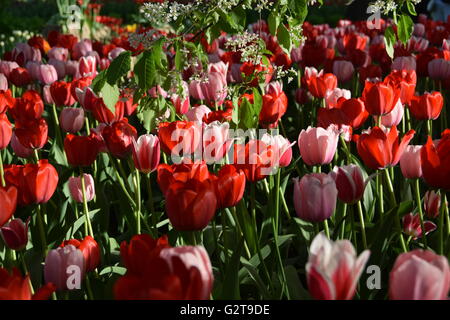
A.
x: 389, y: 40
x: 79, y: 222
x: 405, y: 28
x: 284, y: 38
x: 299, y: 9
x: 110, y: 95
x: 274, y: 21
x: 296, y: 289
x: 411, y: 8
x: 145, y: 70
x: 115, y: 269
x: 257, y: 102
x: 119, y: 67
x: 231, y: 280
x: 246, y: 116
x: 99, y: 81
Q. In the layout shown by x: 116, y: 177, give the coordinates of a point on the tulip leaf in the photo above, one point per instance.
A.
x: 79, y: 222
x: 119, y: 67
x: 110, y: 95
x: 115, y: 269
x: 405, y: 28
x: 231, y: 286
x: 295, y: 287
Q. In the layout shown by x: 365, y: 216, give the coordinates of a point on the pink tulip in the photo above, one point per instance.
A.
x: 81, y: 49
x: 46, y: 74
x: 216, y: 141
x: 86, y: 97
x: 60, y: 67
x: 7, y: 66
x: 419, y: 30
x: 333, y: 268
x: 281, y: 148
x: 215, y: 87
x: 333, y: 96
x: 57, y: 53
x: 157, y: 91
x: 3, y: 82
x: 343, y: 70
x: 76, y: 191
x: 71, y: 119
x: 87, y: 66
x: 404, y: 63
x: 410, y: 162
x: 33, y: 69
x: 15, y: 234
x: 114, y: 53
x: 146, y: 153
x: 419, y: 275
x: 104, y: 63
x: 318, y: 145
x: 432, y: 204
x: 47, y: 95
x: 196, y: 114
x: 296, y: 54
x: 349, y: 183
x: 181, y: 99
x: 61, y: 263
x: 196, y: 260
x: 23, y: 52
x: 71, y: 67
x: 393, y: 118
x: 412, y: 227
x: 19, y: 149
x: 439, y: 69
x: 315, y: 197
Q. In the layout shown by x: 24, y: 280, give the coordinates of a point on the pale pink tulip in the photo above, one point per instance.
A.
x: 146, y: 153
x: 343, y: 70
x: 71, y: 119
x: 76, y: 191
x: 318, y: 145
x: 410, y: 163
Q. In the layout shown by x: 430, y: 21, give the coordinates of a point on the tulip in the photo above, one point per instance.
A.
x: 86, y: 97
x: 404, y: 63
x: 380, y: 98
x: 146, y: 153
x: 119, y: 138
x: 8, y: 203
x: 46, y: 74
x: 61, y: 94
x: 61, y: 54
x: 413, y: 228
x: 197, y: 113
x: 15, y: 234
x: 90, y: 249
x: 65, y: 268
x: 71, y: 67
x: 5, y: 131
x: 81, y: 150
x: 393, y: 118
x: 180, y: 99
x: 32, y: 134
x: 191, y: 205
x: 406, y: 81
x: 23, y: 53
x: 230, y: 186
x: 71, y: 119
x: 7, y: 66
x: 19, y: 149
x: 432, y: 203
x: 302, y: 96
x: 100, y: 111
x: 15, y: 287
x: 318, y: 145
x: 157, y: 91
x: 435, y: 162
x: 351, y: 112
x: 81, y: 84
x: 343, y: 70
x: 216, y: 141
x: 3, y: 82
x: 349, y: 183
x: 20, y: 77
x: 427, y: 107
x: 410, y: 163
x: 282, y: 148
x: 380, y: 149
x: 214, y: 90
x: 419, y: 275
x: 60, y: 67
x: 179, y: 138
x: 332, y: 96
x: 87, y: 66
x: 6, y: 101
x: 319, y: 85
x: 333, y: 269
x: 256, y: 159
x: 169, y: 174
x: 81, y: 49
x: 439, y: 69
x: 28, y: 107
x: 76, y: 191
x: 274, y: 105
x: 315, y: 197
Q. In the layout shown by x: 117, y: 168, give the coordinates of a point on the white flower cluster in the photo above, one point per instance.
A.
x: 297, y: 36
x: 165, y: 12
x: 279, y: 73
x: 384, y: 6
x: 250, y: 45
x: 263, y: 5
x: 146, y: 38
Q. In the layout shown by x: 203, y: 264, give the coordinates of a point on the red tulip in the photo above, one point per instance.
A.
x: 61, y: 93
x: 20, y: 77
x: 256, y: 159
x: 80, y: 84
x: 119, y: 138
x: 349, y: 183
x: 169, y: 174
x: 380, y: 149
x: 428, y: 106
x: 81, y: 150
x: 15, y: 287
x: 5, y: 131
x: 230, y: 186
x: 32, y: 134
x: 6, y: 100
x: 274, y: 105
x: 436, y: 162
x: 407, y: 81
x: 319, y: 85
x: 15, y: 234
x: 8, y: 203
x: 419, y: 275
x: 333, y: 269
x: 101, y: 112
x: 380, y: 98
x: 351, y: 112
x: 90, y: 249
x: 28, y: 107
x: 179, y: 137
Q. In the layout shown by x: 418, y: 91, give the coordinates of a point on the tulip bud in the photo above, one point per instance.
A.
x: 71, y: 119
x: 65, y: 267
x: 315, y: 197
x: 432, y: 204
x: 412, y: 227
x: 410, y: 162
x: 15, y: 234
x: 349, y: 183
x: 19, y: 149
x: 146, y: 153
x: 60, y: 67
x: 318, y: 145
x: 76, y: 191
x: 46, y: 74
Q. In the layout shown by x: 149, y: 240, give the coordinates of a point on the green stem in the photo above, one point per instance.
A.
x: 25, y: 269
x: 363, y: 227
x: 2, y: 173
x: 85, y: 205
x: 325, y: 227
x: 41, y: 228
x: 419, y: 206
x: 138, y: 201
x: 150, y: 200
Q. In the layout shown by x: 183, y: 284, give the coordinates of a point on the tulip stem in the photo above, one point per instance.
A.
x: 441, y: 223
x: 150, y: 200
x: 419, y: 207
x: 41, y: 228
x: 137, y: 185
x: 390, y: 187
x: 85, y: 206
x: 325, y: 227
x: 344, y: 217
x: 363, y: 227
x: 121, y: 183
x: 430, y: 128
x: 25, y: 269
x: 2, y: 173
